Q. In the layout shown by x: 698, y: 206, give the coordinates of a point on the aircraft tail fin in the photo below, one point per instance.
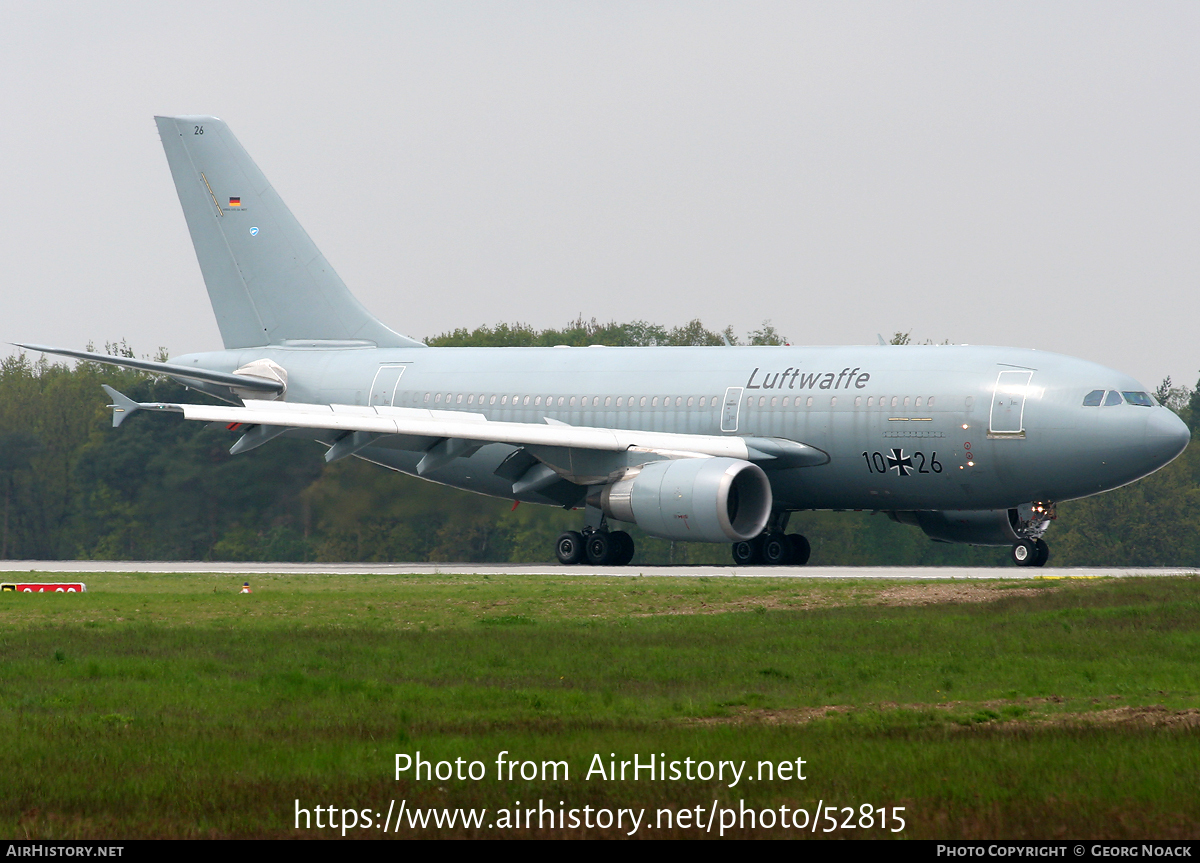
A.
x: 267, y: 281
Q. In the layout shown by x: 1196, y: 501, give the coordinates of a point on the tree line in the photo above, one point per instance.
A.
x: 161, y: 488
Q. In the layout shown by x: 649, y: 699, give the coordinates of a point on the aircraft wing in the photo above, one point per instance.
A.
x: 362, y: 425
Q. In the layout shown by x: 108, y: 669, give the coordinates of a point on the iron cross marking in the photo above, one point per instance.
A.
x: 901, y: 463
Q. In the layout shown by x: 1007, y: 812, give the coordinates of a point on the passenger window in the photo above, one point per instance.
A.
x: 930, y: 402
x: 833, y: 401
x: 1139, y: 399
x: 691, y: 400
x: 641, y: 403
x: 858, y: 401
x: 808, y: 403
x: 1093, y: 399
x: 1114, y: 398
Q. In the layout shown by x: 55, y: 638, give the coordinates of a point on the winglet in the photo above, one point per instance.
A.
x: 122, y: 405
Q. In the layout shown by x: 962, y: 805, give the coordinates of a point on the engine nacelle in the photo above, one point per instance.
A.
x: 971, y: 527
x: 692, y: 499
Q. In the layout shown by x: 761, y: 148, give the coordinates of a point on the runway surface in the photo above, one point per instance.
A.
x: 24, y: 567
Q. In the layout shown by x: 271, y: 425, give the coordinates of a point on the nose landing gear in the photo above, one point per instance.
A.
x: 1030, y: 522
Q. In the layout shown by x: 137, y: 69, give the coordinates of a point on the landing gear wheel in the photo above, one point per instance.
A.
x: 748, y: 553
x: 1043, y: 552
x: 568, y: 548
x: 776, y: 549
x: 1025, y: 553
x: 801, y: 550
x: 622, y: 547
x: 599, y: 549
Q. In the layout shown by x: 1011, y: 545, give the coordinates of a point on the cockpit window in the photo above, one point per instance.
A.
x: 1114, y: 398
x: 1140, y: 399
x: 1093, y: 399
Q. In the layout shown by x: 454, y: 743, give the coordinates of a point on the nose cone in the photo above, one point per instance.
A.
x: 1166, y: 436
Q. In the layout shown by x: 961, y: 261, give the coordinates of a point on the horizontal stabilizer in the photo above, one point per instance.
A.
x: 184, y: 374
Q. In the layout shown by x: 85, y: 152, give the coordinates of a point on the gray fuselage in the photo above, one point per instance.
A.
x: 905, y: 427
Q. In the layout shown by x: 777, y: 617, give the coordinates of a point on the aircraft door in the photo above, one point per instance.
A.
x: 1007, y: 418
x: 733, y: 405
x: 385, y: 384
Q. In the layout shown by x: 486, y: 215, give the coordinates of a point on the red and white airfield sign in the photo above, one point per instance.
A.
x: 44, y: 587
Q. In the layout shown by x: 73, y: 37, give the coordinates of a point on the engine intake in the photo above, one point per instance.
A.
x: 693, y: 499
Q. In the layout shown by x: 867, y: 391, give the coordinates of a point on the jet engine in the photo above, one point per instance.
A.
x: 693, y: 499
x: 974, y: 527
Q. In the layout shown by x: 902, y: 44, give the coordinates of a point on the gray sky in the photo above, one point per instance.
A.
x: 992, y: 173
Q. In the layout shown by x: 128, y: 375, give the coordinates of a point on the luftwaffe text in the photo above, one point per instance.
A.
x: 797, y: 379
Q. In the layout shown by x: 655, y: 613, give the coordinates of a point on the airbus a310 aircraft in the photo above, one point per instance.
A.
x: 702, y: 444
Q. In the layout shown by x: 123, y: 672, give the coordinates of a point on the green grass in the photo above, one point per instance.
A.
x: 172, y: 706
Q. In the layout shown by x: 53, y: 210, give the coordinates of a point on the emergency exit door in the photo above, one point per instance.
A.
x: 731, y: 409
x: 1007, y: 417
x: 385, y: 384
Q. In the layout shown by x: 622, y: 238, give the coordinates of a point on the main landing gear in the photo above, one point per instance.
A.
x: 1030, y: 552
x: 772, y: 548
x: 594, y: 546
